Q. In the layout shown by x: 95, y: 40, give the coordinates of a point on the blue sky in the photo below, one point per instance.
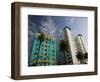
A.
x: 54, y: 24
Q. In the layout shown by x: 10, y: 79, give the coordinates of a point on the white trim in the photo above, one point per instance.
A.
x: 25, y: 70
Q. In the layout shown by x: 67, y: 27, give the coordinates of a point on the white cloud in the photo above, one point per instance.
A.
x: 31, y: 33
x: 32, y: 23
x: 48, y: 25
x: 70, y: 21
x: 32, y: 26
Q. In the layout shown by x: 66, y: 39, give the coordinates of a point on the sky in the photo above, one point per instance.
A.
x: 53, y: 25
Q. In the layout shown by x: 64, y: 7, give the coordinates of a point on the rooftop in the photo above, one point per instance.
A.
x: 66, y: 27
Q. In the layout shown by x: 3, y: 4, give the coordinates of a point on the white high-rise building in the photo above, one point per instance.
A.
x: 76, y: 52
x: 81, y: 44
x: 72, y: 51
x: 82, y: 47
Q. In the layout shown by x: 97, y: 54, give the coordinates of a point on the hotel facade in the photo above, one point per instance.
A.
x: 44, y: 53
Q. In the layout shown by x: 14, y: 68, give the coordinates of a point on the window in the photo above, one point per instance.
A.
x: 45, y: 54
x: 52, y: 50
x: 45, y: 49
x: 69, y: 61
x: 69, y: 58
x: 36, y: 48
x: 68, y: 51
x: 45, y: 41
x: 45, y: 45
x: 37, y: 44
x: 35, y: 53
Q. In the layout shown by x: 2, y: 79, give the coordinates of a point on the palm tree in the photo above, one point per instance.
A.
x: 85, y: 55
x: 41, y: 38
x: 80, y: 57
x: 63, y: 47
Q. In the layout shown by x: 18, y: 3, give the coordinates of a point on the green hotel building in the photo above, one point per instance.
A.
x: 43, y: 53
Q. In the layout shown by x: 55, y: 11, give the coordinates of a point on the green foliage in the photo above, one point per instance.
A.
x: 63, y: 45
x: 79, y: 56
x: 85, y: 55
x: 42, y: 37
